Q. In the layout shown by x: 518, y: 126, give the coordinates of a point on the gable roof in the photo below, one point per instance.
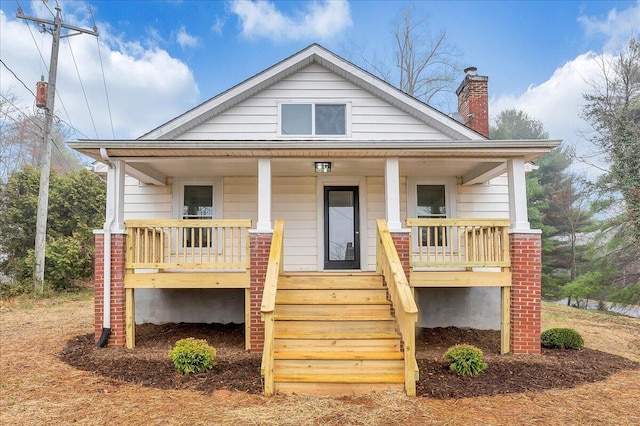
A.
x: 313, y: 54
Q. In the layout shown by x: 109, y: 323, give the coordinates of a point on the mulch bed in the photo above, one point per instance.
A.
x: 238, y: 370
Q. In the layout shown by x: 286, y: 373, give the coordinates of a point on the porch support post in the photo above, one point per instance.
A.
x: 264, y: 195
x: 525, y: 315
x: 517, y: 195
x: 260, y: 249
x: 110, y: 259
x: 525, y: 249
x: 392, y: 194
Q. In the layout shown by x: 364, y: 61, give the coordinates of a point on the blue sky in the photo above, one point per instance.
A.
x: 161, y: 58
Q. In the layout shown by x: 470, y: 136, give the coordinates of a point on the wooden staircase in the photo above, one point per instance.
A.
x: 334, y: 334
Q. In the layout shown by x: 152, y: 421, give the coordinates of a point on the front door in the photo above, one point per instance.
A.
x: 341, y: 227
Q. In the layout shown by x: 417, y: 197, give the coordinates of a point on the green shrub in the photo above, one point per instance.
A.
x: 192, y: 356
x: 562, y: 338
x: 465, y: 359
x: 12, y: 288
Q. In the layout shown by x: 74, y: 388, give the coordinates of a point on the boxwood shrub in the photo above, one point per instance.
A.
x: 561, y: 338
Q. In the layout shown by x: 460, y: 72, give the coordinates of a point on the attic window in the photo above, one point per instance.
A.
x: 313, y: 119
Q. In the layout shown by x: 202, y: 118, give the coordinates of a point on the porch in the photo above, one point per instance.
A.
x: 366, y: 309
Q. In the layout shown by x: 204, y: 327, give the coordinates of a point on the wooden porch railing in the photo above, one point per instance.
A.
x: 275, y: 267
x: 459, y: 242
x: 188, y: 244
x: 388, y: 263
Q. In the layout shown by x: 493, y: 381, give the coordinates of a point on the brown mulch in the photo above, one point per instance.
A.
x: 238, y: 370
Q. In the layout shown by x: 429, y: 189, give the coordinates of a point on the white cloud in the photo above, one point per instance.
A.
x: 184, y: 39
x: 218, y: 25
x: 146, y: 86
x: 617, y: 27
x: 558, y: 103
x: 321, y: 19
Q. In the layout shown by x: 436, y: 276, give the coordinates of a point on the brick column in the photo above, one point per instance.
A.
x: 401, y: 241
x: 260, y: 247
x: 117, y: 337
x: 526, y: 267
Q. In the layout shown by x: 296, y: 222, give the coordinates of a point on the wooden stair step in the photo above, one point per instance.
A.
x: 337, y: 389
x: 339, y: 366
x: 332, y: 296
x: 332, y: 312
x: 340, y: 355
x: 328, y: 345
x: 299, y: 317
x: 335, y: 336
x: 335, y: 327
x: 302, y: 281
x: 339, y: 378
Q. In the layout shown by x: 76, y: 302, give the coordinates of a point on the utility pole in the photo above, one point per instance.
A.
x: 45, y: 168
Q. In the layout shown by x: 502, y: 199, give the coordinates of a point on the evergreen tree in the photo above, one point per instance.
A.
x: 557, y: 204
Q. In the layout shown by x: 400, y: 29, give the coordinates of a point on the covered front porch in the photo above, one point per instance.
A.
x: 468, y: 243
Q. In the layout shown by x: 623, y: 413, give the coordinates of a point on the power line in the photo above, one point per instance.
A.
x: 43, y: 194
x: 18, y: 78
x: 43, y: 62
x: 104, y: 80
x: 86, y: 100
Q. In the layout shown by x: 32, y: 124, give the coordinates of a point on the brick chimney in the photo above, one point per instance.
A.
x: 473, y: 101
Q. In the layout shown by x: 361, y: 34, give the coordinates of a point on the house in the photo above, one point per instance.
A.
x: 329, y: 212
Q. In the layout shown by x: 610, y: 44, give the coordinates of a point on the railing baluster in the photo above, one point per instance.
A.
x: 188, y: 244
x: 460, y: 242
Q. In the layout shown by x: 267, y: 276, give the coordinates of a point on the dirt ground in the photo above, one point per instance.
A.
x: 38, y: 387
x: 237, y: 370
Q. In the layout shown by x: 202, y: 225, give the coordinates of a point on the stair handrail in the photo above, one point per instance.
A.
x: 389, y: 265
x: 274, y: 268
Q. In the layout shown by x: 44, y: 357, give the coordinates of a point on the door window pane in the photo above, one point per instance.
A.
x: 198, y: 202
x: 341, y: 225
x: 296, y: 119
x: 330, y: 119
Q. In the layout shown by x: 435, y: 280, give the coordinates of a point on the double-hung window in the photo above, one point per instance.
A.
x: 196, y: 199
x: 314, y: 119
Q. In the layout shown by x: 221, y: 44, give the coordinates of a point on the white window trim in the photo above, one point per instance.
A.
x: 313, y: 103
x: 178, y: 194
x: 450, y: 185
x: 450, y: 189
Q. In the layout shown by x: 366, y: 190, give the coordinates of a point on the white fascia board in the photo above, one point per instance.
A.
x: 482, y: 145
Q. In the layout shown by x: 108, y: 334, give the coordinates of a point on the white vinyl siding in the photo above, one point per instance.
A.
x: 146, y: 201
x: 257, y: 117
x: 294, y: 201
x: 240, y: 198
x: 490, y: 200
x: 376, y: 210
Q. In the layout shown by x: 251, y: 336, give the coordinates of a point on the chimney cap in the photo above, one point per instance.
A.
x: 471, y: 71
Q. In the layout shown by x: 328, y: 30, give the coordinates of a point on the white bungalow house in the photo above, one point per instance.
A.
x: 328, y: 211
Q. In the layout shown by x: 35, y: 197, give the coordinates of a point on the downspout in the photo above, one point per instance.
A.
x: 106, y: 304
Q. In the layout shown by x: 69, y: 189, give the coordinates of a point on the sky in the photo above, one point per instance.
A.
x: 154, y: 60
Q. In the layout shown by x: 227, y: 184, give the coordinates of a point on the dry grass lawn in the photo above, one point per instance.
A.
x: 36, y: 388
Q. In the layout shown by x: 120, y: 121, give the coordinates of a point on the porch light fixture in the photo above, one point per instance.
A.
x: 323, y: 167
